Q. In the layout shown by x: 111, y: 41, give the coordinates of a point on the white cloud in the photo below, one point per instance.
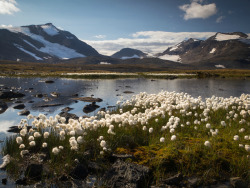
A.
x: 196, y: 10
x: 219, y: 19
x: 150, y: 42
x: 100, y: 36
x: 6, y: 26
x: 8, y: 7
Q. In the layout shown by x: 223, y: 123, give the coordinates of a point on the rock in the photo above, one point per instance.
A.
x: 49, y: 81
x: 122, y: 174
x: 127, y: 92
x: 88, y: 99
x: 55, y: 94
x: 67, y: 109
x: 193, y: 181
x: 49, y: 105
x: 175, y: 180
x: 19, y: 106
x: 39, y: 95
x: 75, y: 95
x: 90, y: 107
x: 94, y: 167
x: 24, y: 113
x: 34, y: 172
x: 31, y: 102
x: 3, y: 107
x: 122, y: 156
x: 68, y: 116
x: 79, y: 172
x: 15, y: 129
x: 10, y: 94
x: 22, y: 181
x: 237, y: 182
x: 4, y: 181
x: 18, y: 102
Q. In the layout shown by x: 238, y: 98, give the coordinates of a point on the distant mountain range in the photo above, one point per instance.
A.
x: 47, y: 43
x: 41, y: 43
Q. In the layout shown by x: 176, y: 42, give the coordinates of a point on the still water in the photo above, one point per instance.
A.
x: 109, y: 90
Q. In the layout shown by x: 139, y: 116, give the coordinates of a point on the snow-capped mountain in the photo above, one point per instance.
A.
x: 229, y: 50
x: 41, y: 43
x: 129, y: 53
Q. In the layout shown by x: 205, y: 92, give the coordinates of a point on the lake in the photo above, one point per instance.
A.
x: 109, y: 90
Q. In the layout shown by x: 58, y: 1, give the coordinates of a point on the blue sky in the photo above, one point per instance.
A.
x: 110, y: 22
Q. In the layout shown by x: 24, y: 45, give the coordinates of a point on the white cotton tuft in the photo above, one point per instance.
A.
x: 6, y: 161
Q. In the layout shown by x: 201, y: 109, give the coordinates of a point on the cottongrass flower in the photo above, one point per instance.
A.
x: 23, y: 132
x: 19, y: 140
x: 44, y: 145
x: 247, y: 148
x: 208, y: 126
x: 61, y: 147
x: 236, y: 137
x: 173, y: 138
x: 241, y: 146
x: 207, y: 144
x: 55, y: 150
x: 246, y: 137
x: 32, y: 143
x: 37, y: 134
x: 103, y: 143
x: 101, y: 152
x: 46, y: 134
x: 22, y: 146
x: 31, y: 138
x: 223, y: 123
x: 150, y: 130
x: 162, y: 139
x: 80, y: 139
x: 6, y: 161
x: 144, y: 128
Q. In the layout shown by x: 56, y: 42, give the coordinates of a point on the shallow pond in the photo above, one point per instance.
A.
x: 109, y: 90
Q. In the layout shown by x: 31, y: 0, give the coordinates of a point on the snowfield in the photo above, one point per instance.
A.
x: 175, y: 58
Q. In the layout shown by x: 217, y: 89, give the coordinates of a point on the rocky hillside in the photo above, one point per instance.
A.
x: 41, y: 43
x: 129, y: 53
x: 223, y: 50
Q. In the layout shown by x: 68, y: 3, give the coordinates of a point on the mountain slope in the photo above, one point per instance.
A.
x: 231, y: 50
x: 129, y: 53
x: 41, y: 43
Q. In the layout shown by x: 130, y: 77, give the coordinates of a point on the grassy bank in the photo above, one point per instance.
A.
x: 168, y: 132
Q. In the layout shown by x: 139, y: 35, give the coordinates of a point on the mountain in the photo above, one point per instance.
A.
x: 223, y: 50
x: 41, y: 43
x: 129, y: 53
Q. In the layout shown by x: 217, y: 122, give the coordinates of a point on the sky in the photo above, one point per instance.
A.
x: 147, y: 25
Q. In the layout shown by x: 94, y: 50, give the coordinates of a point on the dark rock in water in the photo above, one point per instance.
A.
x: 24, y: 113
x: 175, y: 180
x: 19, y: 106
x: 75, y: 95
x: 127, y: 92
x: 31, y: 102
x: 90, y: 107
x: 34, y: 172
x: 122, y: 174
x: 22, y: 181
x: 18, y: 102
x: 67, y: 109
x: 3, y: 107
x: 103, y: 109
x: 39, y: 95
x: 15, y: 129
x: 10, y: 94
x: 237, y: 182
x: 88, y: 99
x: 49, y: 81
x: 68, y: 116
x: 79, y: 172
x: 4, y: 181
x: 49, y: 105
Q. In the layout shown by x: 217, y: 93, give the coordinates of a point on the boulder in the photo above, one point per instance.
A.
x: 3, y: 107
x: 88, y: 99
x: 90, y: 107
x: 19, y: 106
x: 123, y: 174
x: 10, y: 95
x: 24, y: 112
x: 67, y: 109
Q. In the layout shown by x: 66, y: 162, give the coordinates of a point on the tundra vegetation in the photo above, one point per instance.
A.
x: 168, y: 132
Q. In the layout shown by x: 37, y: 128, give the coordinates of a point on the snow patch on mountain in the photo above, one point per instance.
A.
x: 212, y: 51
x: 30, y: 44
x: 27, y: 52
x: 220, y: 66
x: 175, y: 47
x: 175, y: 58
x: 134, y: 56
x: 222, y: 37
x: 50, y: 30
x: 53, y: 49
